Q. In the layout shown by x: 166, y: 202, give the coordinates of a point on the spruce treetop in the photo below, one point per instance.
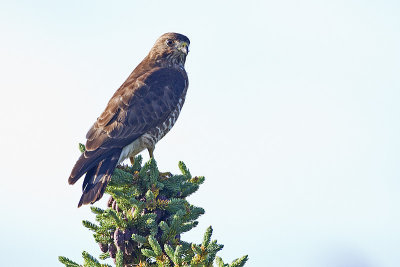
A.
x: 144, y: 219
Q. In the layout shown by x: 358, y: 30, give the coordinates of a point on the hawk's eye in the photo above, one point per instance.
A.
x: 169, y: 42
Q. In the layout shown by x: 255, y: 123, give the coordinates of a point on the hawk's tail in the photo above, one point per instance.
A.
x: 97, y: 178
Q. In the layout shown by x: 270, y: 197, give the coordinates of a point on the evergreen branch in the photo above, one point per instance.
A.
x: 138, y: 163
x: 163, y: 226
x: 145, y: 168
x: 196, y: 249
x: 187, y: 247
x: 210, y: 257
x: 220, y: 262
x: 239, y: 262
x: 97, y: 210
x: 173, y: 185
x: 148, y: 216
x: 102, y: 238
x: 188, y: 226
x: 175, y: 204
x: 213, y: 246
x: 90, y: 226
x: 155, y: 246
x: 198, y: 180
x: 154, y: 173
x: 178, y: 255
x: 136, y: 203
x: 67, y: 262
x: 207, y: 237
x: 188, y: 189
x: 195, y: 213
x: 185, y: 171
x: 89, y: 260
x: 119, y: 259
x: 104, y: 256
x: 150, y: 196
x: 121, y: 178
x: 113, y: 215
x: 138, y: 238
x: 170, y: 252
x: 152, y: 225
x: 148, y: 253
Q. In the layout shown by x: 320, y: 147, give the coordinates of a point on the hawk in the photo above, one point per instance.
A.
x: 138, y: 115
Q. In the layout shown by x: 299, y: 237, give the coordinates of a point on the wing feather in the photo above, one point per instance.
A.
x: 133, y: 110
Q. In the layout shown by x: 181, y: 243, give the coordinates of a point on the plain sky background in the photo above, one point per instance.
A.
x: 292, y: 115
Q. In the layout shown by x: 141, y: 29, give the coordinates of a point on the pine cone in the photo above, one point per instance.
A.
x: 114, y: 205
x: 113, y: 250
x: 119, y: 240
x: 110, y: 201
x: 129, y: 248
x: 103, y: 247
x: 127, y: 234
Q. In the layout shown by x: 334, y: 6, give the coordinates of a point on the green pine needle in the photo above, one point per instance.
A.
x: 138, y: 163
x: 207, y: 237
x: 97, y: 210
x: 113, y: 215
x: 148, y: 253
x: 90, y: 226
x: 239, y: 262
x: 90, y: 260
x: 104, y: 256
x: 178, y: 255
x: 219, y: 262
x: 196, y: 249
x: 185, y: 171
x: 140, y: 239
x: 120, y: 259
x: 155, y: 246
x: 67, y: 262
x: 169, y: 250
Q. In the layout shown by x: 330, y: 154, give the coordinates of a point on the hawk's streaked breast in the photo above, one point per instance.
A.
x: 150, y: 138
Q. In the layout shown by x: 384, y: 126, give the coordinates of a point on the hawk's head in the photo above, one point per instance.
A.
x: 172, y: 47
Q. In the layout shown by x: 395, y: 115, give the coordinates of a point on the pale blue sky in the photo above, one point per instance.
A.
x: 292, y: 116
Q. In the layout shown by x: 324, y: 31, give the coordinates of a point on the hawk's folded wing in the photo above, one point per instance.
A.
x: 135, y: 108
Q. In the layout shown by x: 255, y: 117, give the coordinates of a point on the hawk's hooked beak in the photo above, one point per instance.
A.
x: 184, y: 48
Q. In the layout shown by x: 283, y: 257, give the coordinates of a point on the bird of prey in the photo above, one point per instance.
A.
x: 138, y: 115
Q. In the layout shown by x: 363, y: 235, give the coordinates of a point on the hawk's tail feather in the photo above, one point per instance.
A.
x: 87, y: 161
x: 97, y: 178
x: 95, y: 193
